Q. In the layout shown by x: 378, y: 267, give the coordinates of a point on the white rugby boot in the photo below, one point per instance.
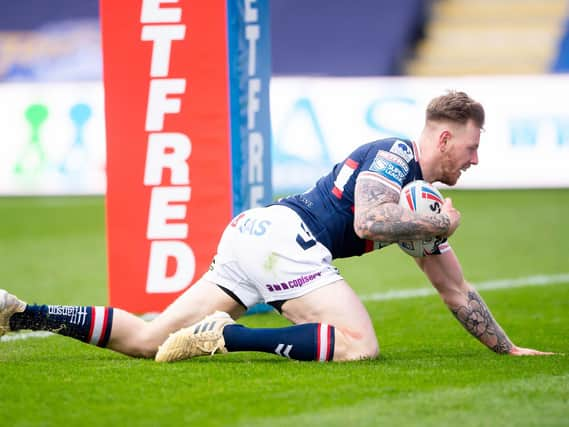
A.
x: 9, y: 305
x: 200, y: 339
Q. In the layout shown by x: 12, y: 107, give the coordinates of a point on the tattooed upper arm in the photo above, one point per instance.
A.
x: 371, y: 193
x: 370, y: 201
x: 378, y: 216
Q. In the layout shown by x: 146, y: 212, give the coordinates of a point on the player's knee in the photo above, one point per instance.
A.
x: 360, y: 348
x: 368, y: 350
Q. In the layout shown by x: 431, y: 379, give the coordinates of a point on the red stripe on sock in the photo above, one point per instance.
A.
x: 318, y: 343
x: 329, y: 337
x: 92, y: 324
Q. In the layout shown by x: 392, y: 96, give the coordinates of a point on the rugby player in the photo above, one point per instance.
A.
x: 282, y: 255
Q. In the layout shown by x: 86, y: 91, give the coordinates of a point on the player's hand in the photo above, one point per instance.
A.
x: 453, y: 214
x: 519, y: 351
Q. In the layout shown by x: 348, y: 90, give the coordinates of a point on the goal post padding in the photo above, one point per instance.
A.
x: 188, y: 137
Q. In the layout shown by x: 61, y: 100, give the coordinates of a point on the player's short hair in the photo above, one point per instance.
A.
x: 456, y: 107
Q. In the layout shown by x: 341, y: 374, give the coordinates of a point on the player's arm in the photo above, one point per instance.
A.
x: 378, y: 216
x: 445, y: 273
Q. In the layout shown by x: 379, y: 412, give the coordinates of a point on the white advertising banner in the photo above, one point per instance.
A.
x: 52, y: 136
x: 318, y: 121
x: 52, y: 139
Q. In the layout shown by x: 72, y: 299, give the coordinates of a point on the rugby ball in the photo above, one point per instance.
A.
x: 421, y: 197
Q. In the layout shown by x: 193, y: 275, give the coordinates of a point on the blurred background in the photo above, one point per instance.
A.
x: 344, y: 73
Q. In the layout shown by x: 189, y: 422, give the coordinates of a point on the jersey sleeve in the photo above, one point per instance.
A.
x: 389, y: 164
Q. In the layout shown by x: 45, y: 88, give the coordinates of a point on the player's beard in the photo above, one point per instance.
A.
x: 450, y: 173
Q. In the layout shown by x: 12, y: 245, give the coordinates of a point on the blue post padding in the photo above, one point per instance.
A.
x: 561, y: 63
x: 249, y: 50
x: 249, y: 77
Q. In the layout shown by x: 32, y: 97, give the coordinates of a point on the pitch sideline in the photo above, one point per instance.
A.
x: 540, y: 280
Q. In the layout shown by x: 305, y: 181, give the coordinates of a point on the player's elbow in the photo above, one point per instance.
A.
x: 360, y: 226
x: 361, y: 232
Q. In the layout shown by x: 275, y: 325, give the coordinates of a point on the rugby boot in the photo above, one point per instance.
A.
x: 200, y: 339
x: 9, y: 305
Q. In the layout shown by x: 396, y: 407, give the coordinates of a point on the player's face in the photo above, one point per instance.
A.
x: 461, y: 152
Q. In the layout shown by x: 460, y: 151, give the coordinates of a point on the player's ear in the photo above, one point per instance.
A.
x: 444, y: 137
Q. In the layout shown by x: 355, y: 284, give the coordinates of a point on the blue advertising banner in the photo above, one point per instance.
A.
x: 249, y: 78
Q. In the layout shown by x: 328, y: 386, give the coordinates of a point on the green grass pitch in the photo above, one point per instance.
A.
x: 430, y: 372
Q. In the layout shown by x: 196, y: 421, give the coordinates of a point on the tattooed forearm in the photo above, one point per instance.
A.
x: 391, y: 222
x: 379, y: 217
x: 477, y: 319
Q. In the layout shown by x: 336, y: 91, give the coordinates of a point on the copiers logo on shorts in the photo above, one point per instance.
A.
x: 294, y: 283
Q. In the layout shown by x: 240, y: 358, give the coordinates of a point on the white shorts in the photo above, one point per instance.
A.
x: 268, y: 254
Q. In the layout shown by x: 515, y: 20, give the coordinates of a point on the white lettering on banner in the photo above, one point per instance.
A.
x: 161, y: 250
x: 162, y: 210
x: 159, y: 104
x: 255, y: 139
x: 252, y: 35
x: 251, y: 14
x: 162, y: 36
x: 255, y: 157
x: 167, y: 226
x: 167, y: 150
x: 253, y: 103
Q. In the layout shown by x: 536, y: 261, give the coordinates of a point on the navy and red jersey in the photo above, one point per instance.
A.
x: 328, y: 207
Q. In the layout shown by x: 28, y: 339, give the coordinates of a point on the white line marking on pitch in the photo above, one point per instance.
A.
x: 25, y: 336
x: 541, y: 280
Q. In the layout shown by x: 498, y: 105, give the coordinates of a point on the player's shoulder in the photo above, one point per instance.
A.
x: 400, y: 147
x: 391, y: 161
x: 395, y: 150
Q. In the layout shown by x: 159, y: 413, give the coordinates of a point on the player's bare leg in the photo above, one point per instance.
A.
x: 331, y: 324
x: 134, y: 336
x: 337, y: 305
x: 114, y: 328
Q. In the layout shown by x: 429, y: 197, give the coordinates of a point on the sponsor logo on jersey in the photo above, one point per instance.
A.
x: 388, y: 169
x: 403, y: 150
x: 378, y: 164
x: 394, y: 159
x: 394, y: 172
